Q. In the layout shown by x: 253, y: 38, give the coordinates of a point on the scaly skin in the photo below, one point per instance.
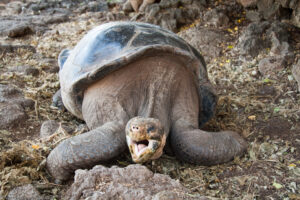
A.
x: 160, y: 89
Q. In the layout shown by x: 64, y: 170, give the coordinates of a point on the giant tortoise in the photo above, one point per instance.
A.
x: 139, y: 84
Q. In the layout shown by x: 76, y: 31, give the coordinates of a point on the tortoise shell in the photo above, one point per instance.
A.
x: 111, y: 46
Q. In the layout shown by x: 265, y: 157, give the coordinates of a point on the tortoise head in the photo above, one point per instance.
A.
x: 145, y: 138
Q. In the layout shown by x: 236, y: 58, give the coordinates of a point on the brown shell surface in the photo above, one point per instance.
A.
x: 111, y: 46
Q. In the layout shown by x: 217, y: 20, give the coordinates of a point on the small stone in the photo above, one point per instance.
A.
x: 26, y: 70
x: 168, y: 3
x: 48, y: 128
x: 269, y: 67
x: 19, y: 30
x: 254, y: 73
x: 184, y: 2
x: 96, y: 6
x: 25, y: 192
x: 247, y: 3
x: 253, y: 16
x: 55, y: 19
x: 216, y: 18
x: 296, y: 73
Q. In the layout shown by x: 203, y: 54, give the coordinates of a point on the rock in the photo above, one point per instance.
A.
x: 12, y: 48
x: 55, y: 19
x: 268, y: 8
x: 247, y: 3
x: 131, y: 182
x: 253, y: 16
x: 127, y: 7
x: 269, y: 67
x: 259, y: 36
x: 9, y: 94
x: 96, y: 6
x: 49, y: 127
x: 19, y: 30
x: 296, y: 73
x: 206, y: 40
x: 217, y: 18
x: 50, y: 65
x: 14, y: 7
x: 12, y: 105
x: 168, y: 3
x: 152, y: 11
x: 171, y: 14
x: 26, y: 70
x: 25, y: 192
x: 11, y: 115
x: 251, y: 41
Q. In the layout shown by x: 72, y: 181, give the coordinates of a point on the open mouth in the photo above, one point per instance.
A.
x: 143, y: 148
x: 141, y: 145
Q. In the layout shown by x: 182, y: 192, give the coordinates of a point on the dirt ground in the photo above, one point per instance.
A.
x: 264, y: 111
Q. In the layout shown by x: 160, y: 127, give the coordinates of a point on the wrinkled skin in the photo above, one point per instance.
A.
x: 164, y: 93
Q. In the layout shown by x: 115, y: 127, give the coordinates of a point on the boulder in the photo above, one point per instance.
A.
x: 206, y: 40
x: 132, y: 182
x: 25, y: 192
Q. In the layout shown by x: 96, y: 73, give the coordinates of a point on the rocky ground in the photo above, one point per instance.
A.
x: 252, y: 51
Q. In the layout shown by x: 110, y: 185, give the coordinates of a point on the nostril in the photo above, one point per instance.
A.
x: 135, y: 128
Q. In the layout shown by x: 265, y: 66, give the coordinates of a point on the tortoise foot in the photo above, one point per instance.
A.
x: 207, y: 148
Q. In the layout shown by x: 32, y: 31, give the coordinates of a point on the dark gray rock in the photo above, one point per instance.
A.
x: 217, y: 18
x: 96, y: 6
x: 271, y: 66
x: 22, y: 25
x: 26, y: 70
x: 206, y: 40
x: 275, y: 9
x: 55, y: 19
x: 253, y: 16
x: 19, y: 30
x: 13, y: 48
x: 50, y: 65
x: 11, y: 115
x: 14, y: 7
x: 259, y: 36
x: 48, y: 128
x: 251, y: 42
x: 12, y: 105
x: 167, y: 14
x: 268, y: 8
x: 247, y: 3
x: 131, y: 182
x: 25, y: 192
x: 168, y: 3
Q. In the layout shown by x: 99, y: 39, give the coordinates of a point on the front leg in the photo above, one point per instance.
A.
x: 206, y: 148
x: 57, y: 100
x: 85, y: 150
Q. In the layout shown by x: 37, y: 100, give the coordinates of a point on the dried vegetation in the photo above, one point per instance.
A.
x: 268, y: 120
